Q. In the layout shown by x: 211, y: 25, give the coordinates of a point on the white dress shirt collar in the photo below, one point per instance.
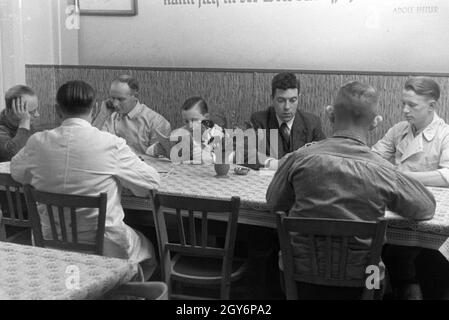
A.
x: 75, y: 121
x: 289, y: 124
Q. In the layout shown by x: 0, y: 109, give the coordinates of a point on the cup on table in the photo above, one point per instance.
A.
x: 222, y: 169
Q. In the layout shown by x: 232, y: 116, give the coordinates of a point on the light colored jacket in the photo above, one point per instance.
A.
x: 428, y: 151
x: 79, y: 159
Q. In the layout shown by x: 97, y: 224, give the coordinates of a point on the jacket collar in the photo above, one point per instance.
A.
x: 430, y: 131
x: 410, y: 145
x: 135, y: 111
x: 75, y: 122
x: 350, y: 135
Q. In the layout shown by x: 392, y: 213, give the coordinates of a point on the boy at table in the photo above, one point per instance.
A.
x: 77, y: 158
x: 419, y: 147
x: 201, y: 133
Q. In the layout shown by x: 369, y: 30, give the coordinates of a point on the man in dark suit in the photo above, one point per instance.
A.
x: 294, y: 128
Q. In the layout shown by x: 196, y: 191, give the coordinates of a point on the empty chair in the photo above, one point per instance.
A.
x: 190, y: 257
x: 13, y: 213
x: 331, y: 253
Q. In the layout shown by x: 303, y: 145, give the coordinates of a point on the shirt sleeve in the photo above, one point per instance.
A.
x: 163, y: 126
x: 100, y: 121
x: 10, y: 146
x: 444, y: 160
x: 386, y: 147
x: 133, y: 173
x: 411, y: 199
x: 280, y: 193
x: 21, y: 163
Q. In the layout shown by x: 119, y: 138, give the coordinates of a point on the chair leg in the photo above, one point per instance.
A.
x: 225, y: 291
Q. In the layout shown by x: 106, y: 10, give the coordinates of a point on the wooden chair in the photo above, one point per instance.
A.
x: 333, y: 235
x: 145, y: 290
x: 65, y: 231
x: 196, y: 260
x: 13, y: 211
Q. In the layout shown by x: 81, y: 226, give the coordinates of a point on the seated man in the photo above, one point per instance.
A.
x: 16, y: 120
x: 341, y: 178
x: 79, y: 159
x: 202, y: 144
x: 124, y: 116
x: 419, y: 146
x: 295, y: 128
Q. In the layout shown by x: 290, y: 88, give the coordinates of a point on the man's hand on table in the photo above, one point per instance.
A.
x: 274, y: 164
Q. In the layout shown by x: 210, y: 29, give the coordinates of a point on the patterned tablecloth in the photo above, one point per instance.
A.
x: 201, y: 181
x: 31, y: 273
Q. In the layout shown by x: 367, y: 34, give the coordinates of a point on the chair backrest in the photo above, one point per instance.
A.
x: 64, y: 222
x: 197, y: 212
x: 329, y: 244
x: 13, y: 205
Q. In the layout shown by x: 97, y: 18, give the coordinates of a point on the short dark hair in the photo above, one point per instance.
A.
x: 285, y: 81
x: 356, y: 101
x: 76, y: 98
x: 195, y: 101
x: 132, y: 83
x: 423, y: 86
x: 17, y: 92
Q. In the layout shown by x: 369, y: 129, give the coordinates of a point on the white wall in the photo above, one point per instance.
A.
x: 12, y: 70
x: 47, y: 40
x: 357, y: 35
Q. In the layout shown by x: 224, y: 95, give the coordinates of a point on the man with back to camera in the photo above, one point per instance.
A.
x: 78, y: 159
x: 341, y: 178
x: 295, y: 127
x: 126, y: 117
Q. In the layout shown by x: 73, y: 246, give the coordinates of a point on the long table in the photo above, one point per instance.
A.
x: 32, y: 273
x: 200, y: 181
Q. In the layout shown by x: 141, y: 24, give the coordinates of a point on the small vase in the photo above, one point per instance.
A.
x: 222, y: 169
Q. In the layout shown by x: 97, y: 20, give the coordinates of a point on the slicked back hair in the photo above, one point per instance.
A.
x: 76, y: 98
x: 195, y: 101
x: 423, y: 86
x: 132, y: 83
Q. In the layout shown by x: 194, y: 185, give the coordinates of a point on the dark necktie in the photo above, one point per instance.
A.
x: 285, y: 133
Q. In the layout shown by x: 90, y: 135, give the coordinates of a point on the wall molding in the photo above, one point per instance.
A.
x: 219, y: 70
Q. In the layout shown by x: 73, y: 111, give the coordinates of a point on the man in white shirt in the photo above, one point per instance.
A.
x: 78, y: 159
x: 124, y: 116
